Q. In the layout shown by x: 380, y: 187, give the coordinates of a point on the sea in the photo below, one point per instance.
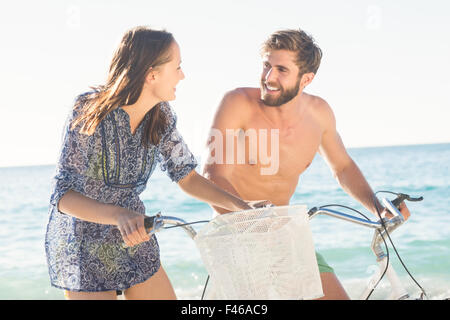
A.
x: 423, y: 242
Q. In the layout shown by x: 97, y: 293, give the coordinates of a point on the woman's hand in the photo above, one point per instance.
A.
x: 259, y: 203
x: 131, y: 227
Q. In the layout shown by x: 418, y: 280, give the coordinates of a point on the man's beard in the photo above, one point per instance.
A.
x: 284, y: 96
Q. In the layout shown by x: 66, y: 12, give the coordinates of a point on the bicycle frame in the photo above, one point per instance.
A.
x: 398, y: 292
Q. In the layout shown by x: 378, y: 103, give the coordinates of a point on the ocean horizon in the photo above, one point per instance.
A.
x: 199, y: 158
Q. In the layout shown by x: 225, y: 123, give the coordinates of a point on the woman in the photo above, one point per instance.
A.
x: 95, y: 241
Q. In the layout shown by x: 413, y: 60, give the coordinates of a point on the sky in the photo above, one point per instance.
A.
x: 385, y: 66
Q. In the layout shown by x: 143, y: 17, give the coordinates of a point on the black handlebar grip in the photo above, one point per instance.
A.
x: 415, y: 199
x: 148, y: 223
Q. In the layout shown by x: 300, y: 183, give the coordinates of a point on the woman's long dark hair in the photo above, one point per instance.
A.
x: 139, y: 50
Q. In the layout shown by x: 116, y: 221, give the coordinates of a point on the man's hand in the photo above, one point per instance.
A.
x: 403, y: 210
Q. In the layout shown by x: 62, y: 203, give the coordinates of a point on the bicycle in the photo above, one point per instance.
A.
x: 382, y: 228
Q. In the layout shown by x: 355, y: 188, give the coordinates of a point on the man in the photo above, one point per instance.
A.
x: 280, y: 117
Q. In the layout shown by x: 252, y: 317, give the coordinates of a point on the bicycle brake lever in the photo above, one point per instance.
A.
x: 414, y: 199
x: 401, y: 197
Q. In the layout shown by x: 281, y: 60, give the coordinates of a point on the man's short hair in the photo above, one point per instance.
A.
x: 307, y: 52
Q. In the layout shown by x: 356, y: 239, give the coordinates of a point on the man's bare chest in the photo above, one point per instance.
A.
x: 280, y: 151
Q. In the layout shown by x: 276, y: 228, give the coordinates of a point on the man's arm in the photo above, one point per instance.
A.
x: 229, y: 115
x: 342, y: 165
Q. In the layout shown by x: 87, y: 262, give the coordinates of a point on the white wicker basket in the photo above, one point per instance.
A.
x: 260, y: 254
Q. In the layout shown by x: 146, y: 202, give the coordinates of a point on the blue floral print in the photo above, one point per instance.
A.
x: 111, y: 166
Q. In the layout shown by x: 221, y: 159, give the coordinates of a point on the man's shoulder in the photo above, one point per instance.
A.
x: 237, y: 104
x: 320, y: 107
x: 243, y: 95
x: 317, y: 103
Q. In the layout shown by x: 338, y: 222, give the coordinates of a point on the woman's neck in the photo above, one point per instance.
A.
x: 139, y: 109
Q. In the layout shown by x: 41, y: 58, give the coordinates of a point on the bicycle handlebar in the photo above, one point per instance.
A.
x: 382, y: 227
x: 153, y: 223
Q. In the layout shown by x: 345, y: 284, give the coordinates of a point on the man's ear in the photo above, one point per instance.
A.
x: 306, y: 79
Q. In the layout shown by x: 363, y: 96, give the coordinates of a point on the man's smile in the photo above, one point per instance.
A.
x: 271, y: 88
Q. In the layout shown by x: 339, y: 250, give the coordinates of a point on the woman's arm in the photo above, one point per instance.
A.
x: 130, y: 223
x: 202, y: 189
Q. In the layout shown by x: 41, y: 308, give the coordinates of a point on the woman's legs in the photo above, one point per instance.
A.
x: 158, y: 287
x: 104, y: 295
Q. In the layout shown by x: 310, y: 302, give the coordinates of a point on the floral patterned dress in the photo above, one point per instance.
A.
x: 110, y: 166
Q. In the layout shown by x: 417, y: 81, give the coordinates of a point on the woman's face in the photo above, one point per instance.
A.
x: 167, y: 76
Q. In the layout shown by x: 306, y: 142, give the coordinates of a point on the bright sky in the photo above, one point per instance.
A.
x: 385, y: 69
